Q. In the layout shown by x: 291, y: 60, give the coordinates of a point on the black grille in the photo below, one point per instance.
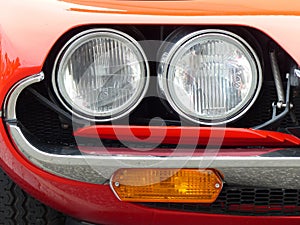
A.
x: 262, y: 109
x: 41, y: 122
x: 47, y: 127
x: 244, y: 201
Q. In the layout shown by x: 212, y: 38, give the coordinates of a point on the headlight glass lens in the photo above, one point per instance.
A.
x: 211, y: 77
x: 101, y: 74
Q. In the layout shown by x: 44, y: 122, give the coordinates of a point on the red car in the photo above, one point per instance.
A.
x: 149, y: 112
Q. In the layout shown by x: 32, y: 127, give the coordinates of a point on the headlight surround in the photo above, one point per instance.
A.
x: 210, y: 77
x: 101, y: 74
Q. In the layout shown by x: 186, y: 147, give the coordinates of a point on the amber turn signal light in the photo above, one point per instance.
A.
x: 167, y: 185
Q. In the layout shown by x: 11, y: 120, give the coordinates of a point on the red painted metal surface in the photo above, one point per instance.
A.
x: 97, y: 203
x: 211, y: 136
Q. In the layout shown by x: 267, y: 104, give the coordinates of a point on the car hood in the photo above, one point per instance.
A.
x: 189, y: 7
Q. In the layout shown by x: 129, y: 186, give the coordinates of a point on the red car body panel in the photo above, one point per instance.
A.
x: 28, y: 35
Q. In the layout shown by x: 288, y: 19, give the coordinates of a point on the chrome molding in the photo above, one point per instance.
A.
x: 12, y: 97
x: 277, y: 172
x: 263, y: 171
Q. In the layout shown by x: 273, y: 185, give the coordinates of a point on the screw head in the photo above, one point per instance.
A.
x: 217, y: 185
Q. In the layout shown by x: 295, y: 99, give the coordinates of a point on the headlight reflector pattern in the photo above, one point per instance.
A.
x: 101, y: 74
x: 210, y: 76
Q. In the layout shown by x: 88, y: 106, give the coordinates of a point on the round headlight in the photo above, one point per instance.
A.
x: 210, y: 77
x: 101, y: 74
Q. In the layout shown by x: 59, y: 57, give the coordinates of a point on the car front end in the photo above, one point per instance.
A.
x: 142, y: 112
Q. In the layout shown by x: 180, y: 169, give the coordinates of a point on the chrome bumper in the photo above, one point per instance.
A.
x: 274, y: 170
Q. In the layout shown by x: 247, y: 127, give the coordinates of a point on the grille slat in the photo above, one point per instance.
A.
x: 244, y: 201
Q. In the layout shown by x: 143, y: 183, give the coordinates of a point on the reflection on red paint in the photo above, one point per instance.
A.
x: 186, y: 7
x: 7, y: 66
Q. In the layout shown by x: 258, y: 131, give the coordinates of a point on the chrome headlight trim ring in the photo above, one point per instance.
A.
x: 74, y: 44
x: 179, y: 47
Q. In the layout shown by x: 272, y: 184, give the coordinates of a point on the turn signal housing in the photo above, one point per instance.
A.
x: 167, y: 185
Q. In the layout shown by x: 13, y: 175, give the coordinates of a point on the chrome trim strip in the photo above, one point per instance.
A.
x: 277, y: 172
x: 35, y: 154
x: 12, y: 97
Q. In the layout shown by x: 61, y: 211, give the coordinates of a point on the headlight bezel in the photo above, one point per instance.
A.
x: 72, y: 45
x: 176, y: 42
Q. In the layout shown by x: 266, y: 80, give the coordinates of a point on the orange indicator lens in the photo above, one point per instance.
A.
x: 167, y: 185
